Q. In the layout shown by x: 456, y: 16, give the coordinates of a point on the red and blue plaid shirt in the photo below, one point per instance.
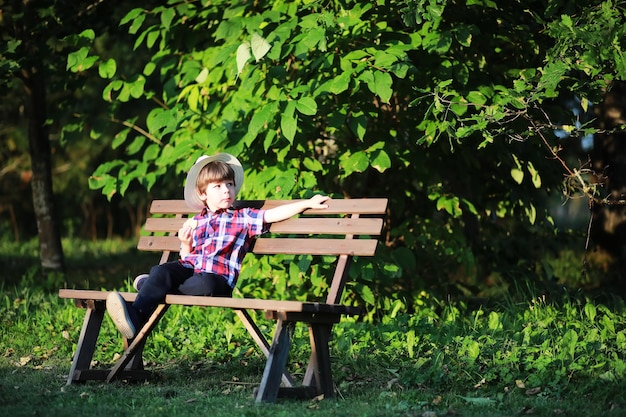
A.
x: 222, y: 239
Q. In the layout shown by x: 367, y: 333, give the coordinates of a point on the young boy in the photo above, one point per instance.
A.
x: 213, y: 243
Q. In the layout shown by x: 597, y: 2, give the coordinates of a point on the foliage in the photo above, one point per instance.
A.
x: 38, y: 36
x: 449, y: 109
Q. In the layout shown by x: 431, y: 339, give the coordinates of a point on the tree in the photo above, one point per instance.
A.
x: 27, y: 56
x: 38, y: 88
x: 446, y: 107
x: 608, y: 205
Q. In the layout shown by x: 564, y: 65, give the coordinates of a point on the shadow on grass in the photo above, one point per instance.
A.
x: 28, y: 391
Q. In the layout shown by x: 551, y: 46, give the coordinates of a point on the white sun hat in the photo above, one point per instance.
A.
x: 191, y: 193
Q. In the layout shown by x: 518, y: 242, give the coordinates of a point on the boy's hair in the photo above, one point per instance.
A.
x: 214, y: 171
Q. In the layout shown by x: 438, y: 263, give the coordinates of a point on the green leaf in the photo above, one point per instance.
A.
x: 380, y: 161
x: 567, y: 21
x: 259, y: 46
x: 534, y: 175
x: 160, y: 121
x: 357, y: 162
x: 584, y: 103
x: 450, y: 204
x: 136, y: 145
x: 358, y: 124
x: 459, y: 106
x: 383, y: 83
x: 120, y: 138
x: 478, y: 400
x: 288, y: 122
x: 136, y: 87
x: 340, y: 84
x: 88, y: 33
x: 382, y: 59
x: 494, y: 321
x: 367, y: 294
x: 477, y: 98
x: 137, y: 22
x: 152, y: 152
x: 243, y: 55
x: 79, y: 60
x: 262, y: 118
x: 307, y: 106
x: 590, y: 311
x: 131, y: 15
x: 270, y: 137
x: 152, y: 37
x: 552, y: 75
x: 531, y: 213
x: 107, y: 68
x: 166, y: 17
x: 463, y: 35
x: 202, y: 76
x: 309, y: 40
x: 12, y: 45
x: 312, y: 164
x: 517, y: 174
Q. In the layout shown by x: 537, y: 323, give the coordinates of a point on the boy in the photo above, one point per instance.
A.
x: 213, y: 243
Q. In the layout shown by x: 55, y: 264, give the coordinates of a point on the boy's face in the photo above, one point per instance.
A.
x: 218, y: 195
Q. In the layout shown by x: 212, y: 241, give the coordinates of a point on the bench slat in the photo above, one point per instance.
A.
x: 308, y: 246
x: 338, y: 206
x: 268, y: 246
x: 226, y: 302
x: 302, y: 225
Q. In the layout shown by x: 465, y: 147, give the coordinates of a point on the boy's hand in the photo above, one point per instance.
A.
x: 185, y: 233
x: 317, y: 201
x: 286, y: 211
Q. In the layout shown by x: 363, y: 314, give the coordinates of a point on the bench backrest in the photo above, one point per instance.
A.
x: 348, y: 227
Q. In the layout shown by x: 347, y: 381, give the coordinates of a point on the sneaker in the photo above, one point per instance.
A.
x: 120, y: 313
x: 139, y: 281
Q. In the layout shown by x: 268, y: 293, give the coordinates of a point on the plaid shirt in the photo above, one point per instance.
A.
x: 222, y: 239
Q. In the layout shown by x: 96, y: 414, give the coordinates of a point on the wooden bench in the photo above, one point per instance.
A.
x: 347, y: 228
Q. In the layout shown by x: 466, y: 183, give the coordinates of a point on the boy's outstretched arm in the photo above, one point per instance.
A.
x: 280, y: 213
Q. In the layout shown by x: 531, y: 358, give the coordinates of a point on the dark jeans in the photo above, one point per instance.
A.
x: 174, y: 278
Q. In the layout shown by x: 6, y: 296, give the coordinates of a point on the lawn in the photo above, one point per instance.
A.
x: 539, y: 356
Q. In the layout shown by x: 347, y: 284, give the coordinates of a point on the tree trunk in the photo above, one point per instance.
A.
x: 50, y: 248
x: 609, y: 159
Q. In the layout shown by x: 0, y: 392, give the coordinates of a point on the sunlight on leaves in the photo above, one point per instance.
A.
x: 259, y: 46
x: 517, y: 175
x: 243, y: 55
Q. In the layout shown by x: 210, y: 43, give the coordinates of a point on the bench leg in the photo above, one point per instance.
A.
x: 276, y: 361
x: 132, y: 355
x: 319, y: 367
x: 86, y: 345
x: 261, y: 342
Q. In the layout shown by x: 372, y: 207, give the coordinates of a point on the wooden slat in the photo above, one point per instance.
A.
x: 269, y: 246
x: 298, y: 246
x: 227, y: 302
x: 159, y: 243
x: 304, y: 225
x: 329, y: 226
x: 163, y: 224
x: 338, y: 206
x: 170, y: 207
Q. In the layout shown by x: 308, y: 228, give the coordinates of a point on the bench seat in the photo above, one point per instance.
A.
x: 271, y: 307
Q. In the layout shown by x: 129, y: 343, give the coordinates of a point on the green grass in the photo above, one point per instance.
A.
x: 527, y: 355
